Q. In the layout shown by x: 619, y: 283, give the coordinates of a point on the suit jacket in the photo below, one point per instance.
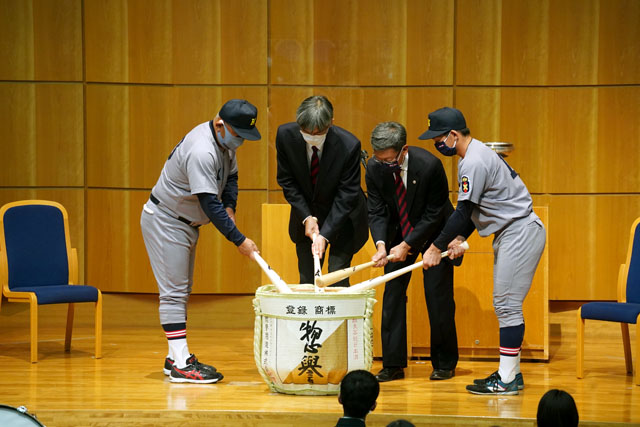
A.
x: 337, y: 197
x: 350, y: 422
x: 427, y: 197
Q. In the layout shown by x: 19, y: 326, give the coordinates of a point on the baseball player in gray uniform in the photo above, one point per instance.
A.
x: 492, y: 199
x: 198, y: 184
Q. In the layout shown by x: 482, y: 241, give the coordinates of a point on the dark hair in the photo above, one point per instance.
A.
x: 359, y: 390
x: 400, y: 423
x: 557, y: 408
x: 464, y: 131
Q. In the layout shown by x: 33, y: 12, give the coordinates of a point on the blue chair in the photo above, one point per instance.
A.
x: 625, y: 311
x: 38, y: 265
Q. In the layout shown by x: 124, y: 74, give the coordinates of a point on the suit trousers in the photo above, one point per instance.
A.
x: 340, y: 256
x: 438, y: 292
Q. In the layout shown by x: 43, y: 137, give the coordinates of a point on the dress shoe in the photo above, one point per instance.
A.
x: 442, y: 374
x: 390, y: 374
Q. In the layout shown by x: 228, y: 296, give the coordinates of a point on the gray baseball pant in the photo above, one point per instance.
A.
x: 517, y: 250
x: 171, y: 246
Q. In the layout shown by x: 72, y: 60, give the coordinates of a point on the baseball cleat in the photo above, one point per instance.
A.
x: 519, y: 380
x: 494, y: 385
x: 192, y: 360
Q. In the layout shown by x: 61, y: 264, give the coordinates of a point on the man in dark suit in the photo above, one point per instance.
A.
x: 408, y: 203
x: 319, y: 172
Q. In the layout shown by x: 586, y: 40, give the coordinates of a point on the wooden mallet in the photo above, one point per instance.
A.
x: 368, y: 284
x: 336, y: 276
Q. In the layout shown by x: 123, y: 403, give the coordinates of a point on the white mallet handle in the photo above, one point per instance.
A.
x: 317, y: 268
x: 464, y: 245
x: 282, y: 287
x: 371, y: 283
x: 336, y: 276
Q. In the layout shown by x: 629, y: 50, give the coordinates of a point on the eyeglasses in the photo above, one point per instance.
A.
x: 387, y: 162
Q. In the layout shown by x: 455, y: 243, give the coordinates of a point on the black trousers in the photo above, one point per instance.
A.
x: 340, y: 256
x: 438, y: 292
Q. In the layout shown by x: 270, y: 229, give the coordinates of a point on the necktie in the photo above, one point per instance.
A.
x: 402, y: 206
x: 315, y: 166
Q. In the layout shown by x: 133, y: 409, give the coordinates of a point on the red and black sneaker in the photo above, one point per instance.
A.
x: 168, y: 364
x: 192, y: 374
x: 192, y: 360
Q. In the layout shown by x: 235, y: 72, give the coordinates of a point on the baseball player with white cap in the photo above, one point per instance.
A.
x: 198, y: 184
x: 492, y: 199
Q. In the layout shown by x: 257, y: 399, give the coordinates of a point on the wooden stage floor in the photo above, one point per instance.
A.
x: 127, y: 387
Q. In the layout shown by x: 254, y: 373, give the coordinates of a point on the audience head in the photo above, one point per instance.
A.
x: 358, y: 393
x: 557, y: 408
x: 400, y: 423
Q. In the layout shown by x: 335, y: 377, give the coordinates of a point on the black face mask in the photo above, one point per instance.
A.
x: 444, y: 149
x: 390, y: 168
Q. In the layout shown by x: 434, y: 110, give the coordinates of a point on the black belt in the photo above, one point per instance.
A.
x: 179, y: 218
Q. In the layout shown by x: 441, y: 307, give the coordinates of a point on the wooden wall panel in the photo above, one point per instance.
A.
x: 478, y: 42
x: 132, y: 129
x: 619, y: 42
x: 58, y: 39
x: 128, y: 41
x: 118, y: 259
x: 587, y: 242
x: 573, y: 39
x: 40, y: 40
x: 16, y: 40
x: 361, y: 43
x: 108, y: 135
x: 559, y: 133
x: 566, y: 42
x: 116, y: 255
x: 359, y: 110
x: 73, y: 201
x: 616, y: 150
x: 42, y: 134
x: 149, y: 41
x: 525, y: 42
x: 105, y: 37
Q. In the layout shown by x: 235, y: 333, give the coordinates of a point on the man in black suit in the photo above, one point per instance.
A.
x: 408, y: 203
x: 319, y: 172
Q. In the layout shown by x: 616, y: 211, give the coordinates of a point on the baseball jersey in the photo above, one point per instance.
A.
x: 499, y: 195
x: 196, y: 165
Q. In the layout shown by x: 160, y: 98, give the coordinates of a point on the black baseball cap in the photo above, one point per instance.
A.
x: 442, y: 121
x: 241, y: 115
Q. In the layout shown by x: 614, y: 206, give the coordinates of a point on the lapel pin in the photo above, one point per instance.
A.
x: 414, y: 181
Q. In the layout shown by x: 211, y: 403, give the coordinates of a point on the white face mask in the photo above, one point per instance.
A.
x: 229, y: 141
x: 314, y: 140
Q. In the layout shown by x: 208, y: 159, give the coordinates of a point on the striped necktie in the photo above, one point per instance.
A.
x: 401, y: 192
x: 315, y: 166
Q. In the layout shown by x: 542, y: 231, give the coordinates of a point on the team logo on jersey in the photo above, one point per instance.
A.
x: 465, y: 184
x: 253, y: 121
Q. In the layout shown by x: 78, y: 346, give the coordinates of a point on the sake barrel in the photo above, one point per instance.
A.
x: 305, y: 342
